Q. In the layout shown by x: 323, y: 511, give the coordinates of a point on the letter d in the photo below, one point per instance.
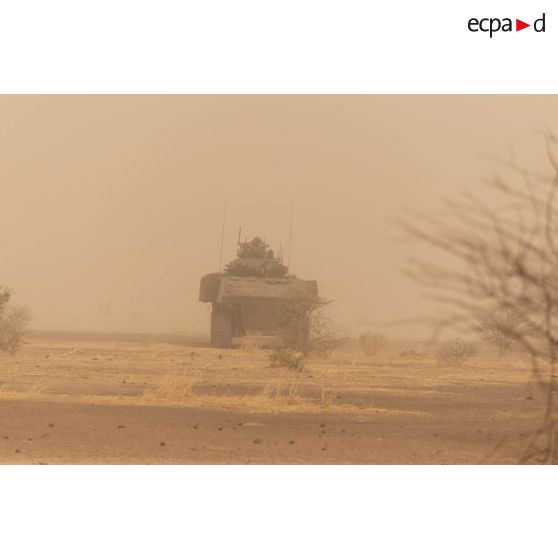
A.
x: 540, y: 21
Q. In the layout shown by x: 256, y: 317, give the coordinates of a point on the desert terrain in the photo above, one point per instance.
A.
x: 126, y: 400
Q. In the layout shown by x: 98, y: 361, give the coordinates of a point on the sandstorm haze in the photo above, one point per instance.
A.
x: 111, y: 206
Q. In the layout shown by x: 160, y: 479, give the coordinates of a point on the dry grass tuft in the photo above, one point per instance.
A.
x: 284, y: 392
x: 283, y: 357
x: 329, y: 397
x: 172, y: 389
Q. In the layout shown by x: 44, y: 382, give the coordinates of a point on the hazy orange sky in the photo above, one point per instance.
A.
x: 111, y: 206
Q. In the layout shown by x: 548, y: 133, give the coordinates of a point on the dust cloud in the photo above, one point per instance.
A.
x: 111, y: 206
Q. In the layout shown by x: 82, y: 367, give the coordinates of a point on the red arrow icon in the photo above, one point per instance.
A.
x: 519, y: 25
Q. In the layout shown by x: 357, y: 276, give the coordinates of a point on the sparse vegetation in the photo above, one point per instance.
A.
x: 288, y: 393
x: 249, y: 345
x: 305, y: 327
x: 500, y: 254
x: 173, y: 388
x: 372, y: 343
x: 329, y: 396
x: 340, y: 392
x: 501, y: 329
x: 283, y: 357
x: 14, y: 320
x: 456, y: 352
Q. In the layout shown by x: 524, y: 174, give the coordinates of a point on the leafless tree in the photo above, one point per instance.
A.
x: 14, y: 320
x: 498, y: 329
x: 500, y: 257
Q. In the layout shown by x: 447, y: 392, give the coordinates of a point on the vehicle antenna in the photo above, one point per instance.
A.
x: 290, y: 239
x: 222, y: 238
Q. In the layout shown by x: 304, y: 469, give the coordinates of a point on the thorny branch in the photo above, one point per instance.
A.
x: 502, y: 256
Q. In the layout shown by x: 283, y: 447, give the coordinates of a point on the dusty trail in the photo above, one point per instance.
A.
x: 53, y: 432
x: 144, y: 401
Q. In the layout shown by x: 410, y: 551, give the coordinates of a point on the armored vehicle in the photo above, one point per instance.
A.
x: 248, y: 295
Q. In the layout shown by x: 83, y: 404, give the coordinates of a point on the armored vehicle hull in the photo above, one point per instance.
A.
x: 249, y: 305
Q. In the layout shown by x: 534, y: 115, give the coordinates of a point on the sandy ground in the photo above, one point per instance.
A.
x: 103, y: 400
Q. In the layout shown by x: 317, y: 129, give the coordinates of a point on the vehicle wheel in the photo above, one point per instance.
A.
x: 221, y: 329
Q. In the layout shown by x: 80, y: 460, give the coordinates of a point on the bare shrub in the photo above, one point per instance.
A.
x: 323, y: 345
x: 283, y: 357
x: 500, y: 254
x: 456, y: 352
x: 305, y: 326
x: 372, y: 343
x: 14, y: 320
x: 501, y: 329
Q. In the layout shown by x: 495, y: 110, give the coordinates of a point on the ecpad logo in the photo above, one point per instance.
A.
x: 493, y: 25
